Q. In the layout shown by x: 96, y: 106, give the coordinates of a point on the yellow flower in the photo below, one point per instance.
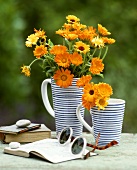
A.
x: 58, y: 49
x: 28, y: 44
x: 67, y: 26
x: 67, y: 34
x: 63, y: 59
x: 82, y: 47
x: 96, y: 66
x: 104, y: 90
x: 97, y: 42
x: 102, y: 30
x: 83, y: 80
x: 72, y: 19
x: 39, y: 51
x: 63, y: 78
x: 77, y: 26
x: 101, y: 102
x: 26, y: 70
x: 76, y: 59
x: 108, y: 40
x: 61, y: 32
x: 70, y: 36
x: 31, y: 40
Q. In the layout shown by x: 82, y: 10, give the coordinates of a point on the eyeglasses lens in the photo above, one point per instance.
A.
x: 64, y: 135
x: 77, y: 146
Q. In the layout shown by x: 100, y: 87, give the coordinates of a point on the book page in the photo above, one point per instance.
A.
x: 48, y: 149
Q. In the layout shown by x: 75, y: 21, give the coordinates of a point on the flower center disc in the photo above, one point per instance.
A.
x: 64, y: 60
x: 91, y: 92
x: 63, y: 77
x: 81, y: 48
x: 101, y: 102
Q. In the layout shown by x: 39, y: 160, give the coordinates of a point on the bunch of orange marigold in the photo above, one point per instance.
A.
x: 81, y: 55
x: 94, y: 94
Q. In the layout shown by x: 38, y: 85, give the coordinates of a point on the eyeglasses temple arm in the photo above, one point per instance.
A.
x: 112, y: 143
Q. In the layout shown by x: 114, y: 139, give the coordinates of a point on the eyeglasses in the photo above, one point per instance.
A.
x: 78, y: 144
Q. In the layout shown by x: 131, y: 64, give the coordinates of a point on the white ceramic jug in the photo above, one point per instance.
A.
x: 65, y: 102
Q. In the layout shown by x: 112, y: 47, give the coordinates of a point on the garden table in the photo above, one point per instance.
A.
x: 122, y: 157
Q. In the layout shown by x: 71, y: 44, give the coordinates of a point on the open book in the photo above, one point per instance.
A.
x: 48, y: 149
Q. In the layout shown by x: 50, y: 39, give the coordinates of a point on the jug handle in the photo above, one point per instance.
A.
x: 82, y: 120
x: 45, y: 97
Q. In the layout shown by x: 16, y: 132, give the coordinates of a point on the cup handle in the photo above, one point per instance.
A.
x: 82, y: 120
x: 45, y: 97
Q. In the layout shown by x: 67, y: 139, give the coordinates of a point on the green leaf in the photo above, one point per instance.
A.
x: 101, y: 75
x: 50, y: 43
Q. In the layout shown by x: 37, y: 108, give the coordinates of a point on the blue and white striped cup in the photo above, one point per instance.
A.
x: 65, y: 102
x: 107, y: 122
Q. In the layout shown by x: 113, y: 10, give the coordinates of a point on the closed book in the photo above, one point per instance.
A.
x: 8, y: 135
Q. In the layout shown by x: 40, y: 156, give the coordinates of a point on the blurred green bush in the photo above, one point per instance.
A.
x: 21, y: 96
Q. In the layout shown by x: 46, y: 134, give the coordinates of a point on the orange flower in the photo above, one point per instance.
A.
x: 63, y: 59
x: 104, y: 90
x: 82, y: 47
x: 102, y: 30
x: 88, y: 105
x: 96, y: 95
x: 101, y: 102
x: 87, y: 34
x: 58, y: 49
x: 89, y: 92
x: 26, y: 70
x: 39, y: 51
x: 108, y: 40
x: 76, y: 59
x: 96, y: 66
x: 83, y: 80
x: 63, y: 78
x: 40, y: 33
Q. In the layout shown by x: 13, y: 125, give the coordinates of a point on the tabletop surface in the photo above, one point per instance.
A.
x: 121, y: 157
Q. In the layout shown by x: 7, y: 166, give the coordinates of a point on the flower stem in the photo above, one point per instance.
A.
x: 91, y: 56
x: 74, y: 67
x: 63, y: 41
x: 50, y: 58
x: 70, y: 45
x: 93, y: 52
x: 100, y: 52
x: 105, y: 53
x: 34, y: 61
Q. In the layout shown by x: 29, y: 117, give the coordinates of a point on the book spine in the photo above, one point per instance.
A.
x: 2, y: 137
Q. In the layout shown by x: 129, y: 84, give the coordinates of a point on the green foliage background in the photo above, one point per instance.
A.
x: 20, y: 97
